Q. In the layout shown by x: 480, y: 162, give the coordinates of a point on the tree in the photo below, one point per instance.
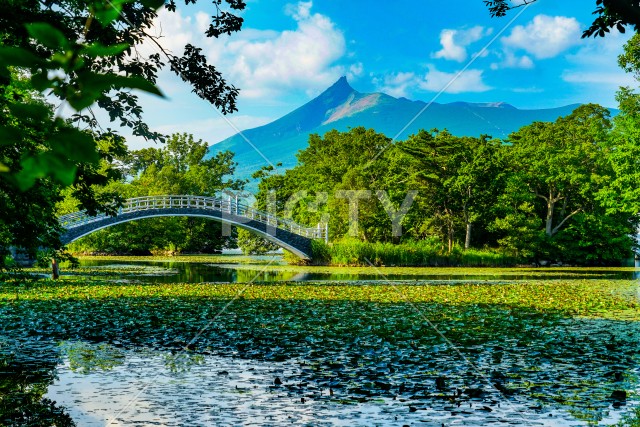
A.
x: 623, y: 192
x: 433, y: 155
x: 28, y: 216
x: 84, y: 53
x: 609, y: 14
x: 557, y: 172
x: 104, y: 35
x: 252, y: 244
x: 333, y: 166
x: 563, y: 163
x: 478, y: 178
x: 456, y: 178
x: 182, y: 166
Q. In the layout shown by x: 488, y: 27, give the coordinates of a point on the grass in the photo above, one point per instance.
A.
x: 434, y: 271
x: 414, y: 253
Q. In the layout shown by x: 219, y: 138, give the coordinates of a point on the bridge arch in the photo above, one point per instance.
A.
x: 284, y: 233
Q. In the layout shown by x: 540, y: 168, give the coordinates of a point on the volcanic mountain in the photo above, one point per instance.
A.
x: 341, y: 107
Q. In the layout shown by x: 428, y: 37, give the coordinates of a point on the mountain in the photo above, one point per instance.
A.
x: 341, y: 107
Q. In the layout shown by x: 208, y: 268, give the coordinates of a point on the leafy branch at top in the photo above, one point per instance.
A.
x: 609, y: 14
x: 84, y: 53
x: 66, y: 73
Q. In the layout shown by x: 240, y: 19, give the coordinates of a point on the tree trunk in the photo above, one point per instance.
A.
x: 467, y: 237
x: 549, y: 225
x: 55, y: 270
x: 450, y: 234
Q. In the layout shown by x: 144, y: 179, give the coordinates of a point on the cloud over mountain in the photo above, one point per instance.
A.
x: 545, y: 36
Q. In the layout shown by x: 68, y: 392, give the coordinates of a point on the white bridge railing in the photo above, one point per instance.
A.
x: 231, y: 206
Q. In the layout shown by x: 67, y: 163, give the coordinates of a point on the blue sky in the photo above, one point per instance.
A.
x: 288, y: 53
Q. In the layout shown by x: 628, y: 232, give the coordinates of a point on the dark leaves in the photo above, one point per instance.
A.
x: 49, y: 36
x: 224, y: 23
x: 207, y: 82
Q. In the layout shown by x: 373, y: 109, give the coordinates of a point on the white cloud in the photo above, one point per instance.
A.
x: 468, y: 81
x: 545, y: 36
x: 593, y: 69
x: 211, y: 130
x: 454, y: 42
x: 300, y: 11
x: 266, y: 63
x: 611, y: 78
x: 355, y: 71
x: 531, y: 89
x: 403, y: 84
x: 397, y: 84
x: 600, y: 52
x: 510, y: 60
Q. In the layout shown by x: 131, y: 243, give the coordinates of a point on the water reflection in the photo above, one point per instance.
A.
x: 184, y: 272
x: 340, y: 363
x: 146, y: 390
x: 26, y: 372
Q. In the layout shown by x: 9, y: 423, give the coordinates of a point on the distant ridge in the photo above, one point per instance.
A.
x: 341, y: 107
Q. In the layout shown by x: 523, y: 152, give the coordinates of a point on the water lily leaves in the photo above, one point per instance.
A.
x: 343, y: 338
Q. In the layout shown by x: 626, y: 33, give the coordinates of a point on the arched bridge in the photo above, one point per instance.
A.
x: 283, y: 232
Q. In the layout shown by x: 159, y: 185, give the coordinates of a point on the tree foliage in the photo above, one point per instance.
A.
x: 457, y: 177
x: 84, y: 54
x: 540, y: 195
x: 27, y: 215
x: 557, y: 174
x: 181, y: 166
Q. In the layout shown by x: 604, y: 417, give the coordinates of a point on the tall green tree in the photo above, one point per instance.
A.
x: 181, y: 166
x: 28, y: 217
x: 563, y: 163
x: 104, y: 36
x: 623, y: 192
x: 456, y: 178
x: 550, y: 207
x: 325, y: 184
x: 433, y: 154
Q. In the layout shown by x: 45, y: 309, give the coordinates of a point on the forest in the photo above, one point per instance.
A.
x: 557, y: 192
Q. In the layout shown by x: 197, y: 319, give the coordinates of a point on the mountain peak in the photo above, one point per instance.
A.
x: 339, y: 91
x: 342, y: 108
x: 342, y: 83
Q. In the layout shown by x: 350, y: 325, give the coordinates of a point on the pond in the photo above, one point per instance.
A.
x: 271, y: 269
x: 559, y: 349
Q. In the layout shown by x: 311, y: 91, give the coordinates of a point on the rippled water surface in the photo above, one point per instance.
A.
x: 151, y: 389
